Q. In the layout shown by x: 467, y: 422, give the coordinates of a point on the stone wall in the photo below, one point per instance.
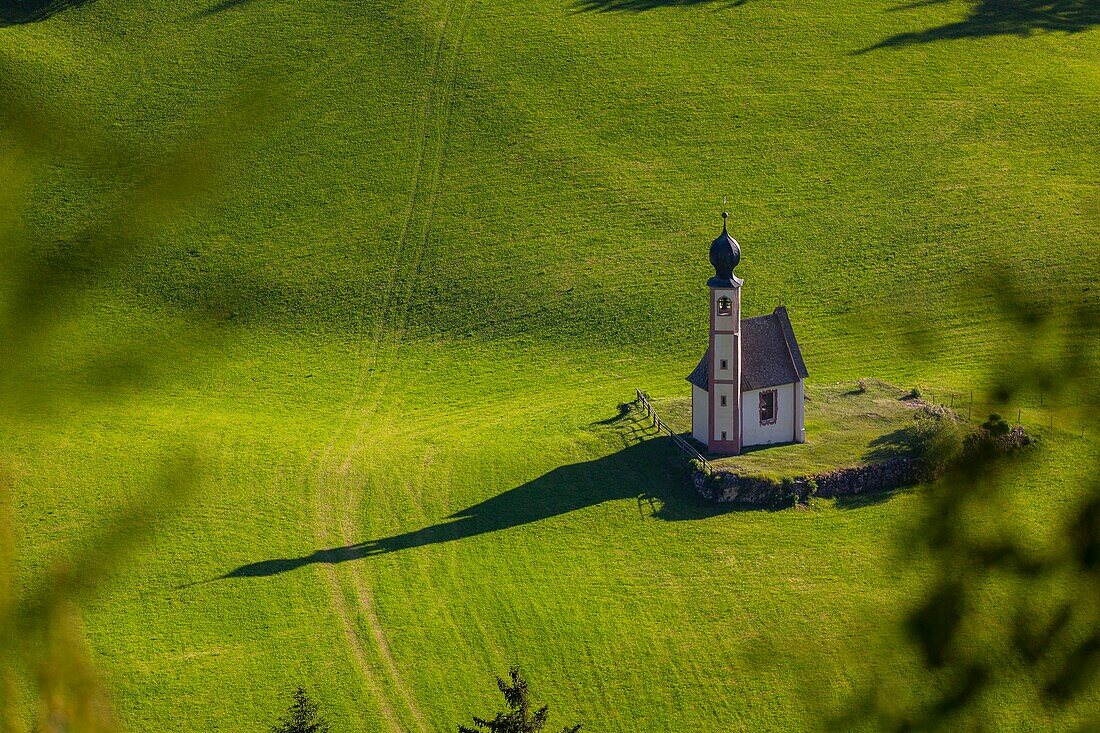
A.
x: 1014, y: 440
x: 726, y: 486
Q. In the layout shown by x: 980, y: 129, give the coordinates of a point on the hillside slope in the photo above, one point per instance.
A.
x: 453, y: 239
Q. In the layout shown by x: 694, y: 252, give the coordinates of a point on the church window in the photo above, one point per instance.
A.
x: 723, y: 364
x: 725, y: 306
x: 767, y: 407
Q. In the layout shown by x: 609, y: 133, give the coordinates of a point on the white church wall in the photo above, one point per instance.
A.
x: 782, y: 430
x: 800, y: 411
x: 700, y: 417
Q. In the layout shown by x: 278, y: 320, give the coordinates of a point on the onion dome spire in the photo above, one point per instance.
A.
x: 725, y: 253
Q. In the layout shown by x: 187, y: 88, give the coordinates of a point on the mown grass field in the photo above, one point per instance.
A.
x: 455, y: 237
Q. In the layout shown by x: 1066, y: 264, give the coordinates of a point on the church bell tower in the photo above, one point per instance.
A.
x: 724, y: 379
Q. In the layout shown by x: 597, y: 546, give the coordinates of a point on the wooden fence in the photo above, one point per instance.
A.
x: 685, y: 447
x: 1034, y: 411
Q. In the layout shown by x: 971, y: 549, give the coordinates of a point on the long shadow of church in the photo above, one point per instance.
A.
x: 648, y: 471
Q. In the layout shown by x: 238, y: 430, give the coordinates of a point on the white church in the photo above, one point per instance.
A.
x: 748, y: 388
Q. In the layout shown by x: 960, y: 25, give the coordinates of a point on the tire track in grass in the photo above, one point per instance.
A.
x: 362, y: 604
x: 337, y: 499
x: 344, y: 612
x: 414, y: 236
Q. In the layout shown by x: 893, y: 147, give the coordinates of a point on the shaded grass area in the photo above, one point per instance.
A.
x: 1001, y: 17
x: 641, y: 6
x: 16, y: 12
x: 846, y: 425
x: 221, y: 7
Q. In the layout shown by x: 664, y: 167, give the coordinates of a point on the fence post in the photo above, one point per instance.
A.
x: 680, y: 443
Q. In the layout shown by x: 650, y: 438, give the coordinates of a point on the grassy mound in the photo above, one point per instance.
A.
x: 846, y: 425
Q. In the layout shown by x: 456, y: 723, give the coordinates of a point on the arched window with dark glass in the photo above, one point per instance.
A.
x: 725, y: 306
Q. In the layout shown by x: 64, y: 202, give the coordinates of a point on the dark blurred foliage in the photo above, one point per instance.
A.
x: 1008, y: 613
x: 45, y: 668
x: 49, y: 277
x: 47, y: 681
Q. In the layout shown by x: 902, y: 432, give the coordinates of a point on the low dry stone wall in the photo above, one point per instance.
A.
x: 895, y: 473
x: 725, y: 486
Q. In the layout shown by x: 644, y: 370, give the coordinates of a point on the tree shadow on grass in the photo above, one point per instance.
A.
x: 18, y: 12
x: 221, y: 7
x: 869, y: 498
x: 1001, y: 18
x: 641, y: 6
x: 648, y: 471
x: 895, y: 444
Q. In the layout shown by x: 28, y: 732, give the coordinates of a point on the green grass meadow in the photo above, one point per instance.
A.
x: 450, y: 239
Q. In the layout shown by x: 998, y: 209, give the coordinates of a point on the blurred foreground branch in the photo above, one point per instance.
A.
x: 47, y: 680
x: 1010, y: 619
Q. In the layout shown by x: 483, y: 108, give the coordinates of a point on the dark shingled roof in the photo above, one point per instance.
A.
x: 769, y: 354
